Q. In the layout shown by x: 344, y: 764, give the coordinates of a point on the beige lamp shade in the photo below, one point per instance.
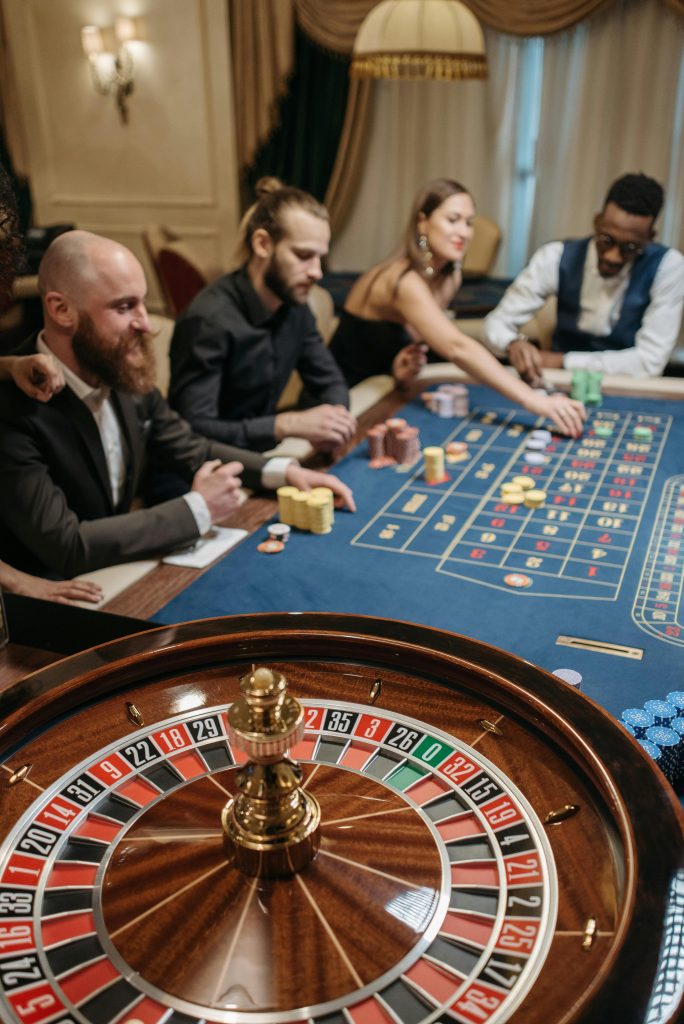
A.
x: 419, y: 39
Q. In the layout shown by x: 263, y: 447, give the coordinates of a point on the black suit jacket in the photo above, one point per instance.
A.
x: 56, y: 504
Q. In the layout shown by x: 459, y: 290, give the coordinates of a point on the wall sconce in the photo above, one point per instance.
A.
x: 112, y: 69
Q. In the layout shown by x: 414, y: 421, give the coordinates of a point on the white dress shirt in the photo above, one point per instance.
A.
x: 601, y: 301
x: 98, y: 401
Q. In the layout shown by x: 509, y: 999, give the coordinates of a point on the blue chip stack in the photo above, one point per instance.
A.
x: 652, y: 749
x: 638, y: 721
x: 676, y: 698
x: 669, y: 741
x: 659, y: 728
x: 663, y: 712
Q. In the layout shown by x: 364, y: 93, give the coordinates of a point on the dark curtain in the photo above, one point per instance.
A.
x: 302, y: 149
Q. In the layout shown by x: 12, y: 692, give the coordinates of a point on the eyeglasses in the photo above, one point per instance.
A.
x: 628, y: 250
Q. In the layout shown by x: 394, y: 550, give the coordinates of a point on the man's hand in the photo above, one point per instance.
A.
x: 38, y: 376
x: 307, y: 479
x: 408, y: 363
x: 326, y: 426
x: 527, y: 360
x: 219, y: 484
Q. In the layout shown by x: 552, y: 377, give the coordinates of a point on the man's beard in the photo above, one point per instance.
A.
x: 275, y: 282
x: 109, y: 363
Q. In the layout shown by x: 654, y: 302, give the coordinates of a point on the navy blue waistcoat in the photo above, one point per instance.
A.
x: 567, y: 336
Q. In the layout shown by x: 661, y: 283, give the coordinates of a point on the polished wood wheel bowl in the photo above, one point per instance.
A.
x: 616, y: 859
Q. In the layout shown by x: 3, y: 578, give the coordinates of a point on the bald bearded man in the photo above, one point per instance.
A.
x: 71, y: 468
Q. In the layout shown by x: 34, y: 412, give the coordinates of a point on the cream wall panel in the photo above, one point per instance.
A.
x: 173, y: 163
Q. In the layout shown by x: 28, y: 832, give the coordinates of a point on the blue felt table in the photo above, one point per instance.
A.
x: 603, y: 557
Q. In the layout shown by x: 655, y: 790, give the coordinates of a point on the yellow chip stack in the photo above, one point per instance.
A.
x: 514, y: 497
x: 300, y: 510
x: 325, y: 492
x: 285, y: 505
x: 511, y: 492
x: 319, y: 510
x: 523, y: 483
x: 535, y: 499
x: 434, y: 464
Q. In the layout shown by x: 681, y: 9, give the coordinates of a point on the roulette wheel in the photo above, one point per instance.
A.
x: 492, y: 846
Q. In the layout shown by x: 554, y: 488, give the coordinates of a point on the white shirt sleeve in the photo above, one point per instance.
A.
x: 528, y: 293
x: 200, y: 511
x: 657, y: 335
x: 273, y: 473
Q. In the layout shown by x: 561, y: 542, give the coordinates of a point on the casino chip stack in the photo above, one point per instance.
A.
x: 376, y: 446
x: 579, y: 385
x: 306, y: 510
x: 392, y: 442
x: 300, y: 507
x: 394, y: 427
x: 659, y: 728
x: 448, y: 400
x: 668, y: 741
x: 594, y: 381
x: 434, y: 465
x: 521, y: 491
x: 320, y: 519
x: 637, y: 721
x: 534, y: 498
x: 285, y: 505
x: 322, y: 500
x: 457, y: 451
x: 512, y: 493
x: 663, y: 712
x: 586, y: 387
x: 535, y: 446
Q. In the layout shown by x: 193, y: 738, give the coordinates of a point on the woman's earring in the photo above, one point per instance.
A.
x: 425, y: 255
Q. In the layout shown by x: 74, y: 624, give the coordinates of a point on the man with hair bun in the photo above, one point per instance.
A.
x: 235, y: 346
x: 620, y: 293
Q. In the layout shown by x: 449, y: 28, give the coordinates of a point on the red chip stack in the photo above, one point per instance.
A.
x: 393, y: 442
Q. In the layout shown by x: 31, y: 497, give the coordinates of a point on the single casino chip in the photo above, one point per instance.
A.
x: 523, y: 483
x: 535, y: 458
x: 518, y: 580
x: 456, y: 448
x: 603, y: 431
x: 569, y: 676
x: 542, y: 435
x: 270, y: 547
x: 535, y: 444
x: 279, y: 531
x: 643, y: 434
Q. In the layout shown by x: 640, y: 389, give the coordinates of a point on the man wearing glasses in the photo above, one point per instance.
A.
x: 620, y: 293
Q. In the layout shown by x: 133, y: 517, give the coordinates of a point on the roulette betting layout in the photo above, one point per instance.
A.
x: 592, y: 580
x: 491, y: 847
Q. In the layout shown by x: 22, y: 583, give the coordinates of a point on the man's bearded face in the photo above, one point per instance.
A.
x: 125, y: 362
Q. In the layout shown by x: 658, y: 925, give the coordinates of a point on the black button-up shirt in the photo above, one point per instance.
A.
x: 231, y: 359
